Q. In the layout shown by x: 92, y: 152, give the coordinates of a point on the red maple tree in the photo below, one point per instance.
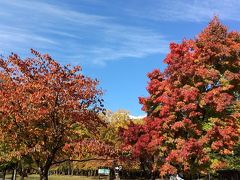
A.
x: 193, y: 119
x: 45, y: 107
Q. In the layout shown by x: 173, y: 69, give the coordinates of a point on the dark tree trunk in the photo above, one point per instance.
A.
x: 14, y: 174
x: 23, y: 174
x: 43, y: 173
x: 44, y: 169
x: 4, y: 174
x: 187, y: 176
x: 153, y: 175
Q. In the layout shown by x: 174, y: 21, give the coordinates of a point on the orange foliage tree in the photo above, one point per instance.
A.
x: 193, y: 106
x: 44, y: 107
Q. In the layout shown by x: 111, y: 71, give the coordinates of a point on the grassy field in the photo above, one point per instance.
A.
x: 57, y: 177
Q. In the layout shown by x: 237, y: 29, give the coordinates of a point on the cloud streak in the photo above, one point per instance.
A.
x: 185, y: 10
x: 71, y: 35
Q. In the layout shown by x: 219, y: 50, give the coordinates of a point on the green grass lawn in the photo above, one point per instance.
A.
x: 57, y: 177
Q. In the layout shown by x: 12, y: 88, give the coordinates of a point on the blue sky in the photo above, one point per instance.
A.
x: 115, y: 41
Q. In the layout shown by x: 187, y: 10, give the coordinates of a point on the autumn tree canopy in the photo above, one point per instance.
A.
x: 106, y: 145
x: 44, y: 107
x: 193, y: 106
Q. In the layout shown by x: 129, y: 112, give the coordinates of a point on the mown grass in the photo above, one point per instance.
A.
x: 56, y: 177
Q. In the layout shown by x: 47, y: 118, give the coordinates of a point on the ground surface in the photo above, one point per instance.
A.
x: 54, y: 177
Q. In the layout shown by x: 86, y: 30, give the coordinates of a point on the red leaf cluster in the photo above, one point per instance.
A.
x: 193, y: 106
x: 45, y: 106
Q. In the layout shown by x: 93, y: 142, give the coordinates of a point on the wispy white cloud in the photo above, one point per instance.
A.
x: 133, y: 43
x: 17, y: 35
x: 73, y: 35
x: 185, y: 10
x: 19, y: 40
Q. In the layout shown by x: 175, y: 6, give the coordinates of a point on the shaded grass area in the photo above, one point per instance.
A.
x: 56, y: 177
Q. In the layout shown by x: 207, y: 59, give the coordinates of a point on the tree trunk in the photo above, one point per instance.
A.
x: 14, y: 174
x: 153, y: 175
x: 187, y: 176
x: 43, y: 170
x: 22, y: 173
x: 4, y: 174
x: 43, y: 174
